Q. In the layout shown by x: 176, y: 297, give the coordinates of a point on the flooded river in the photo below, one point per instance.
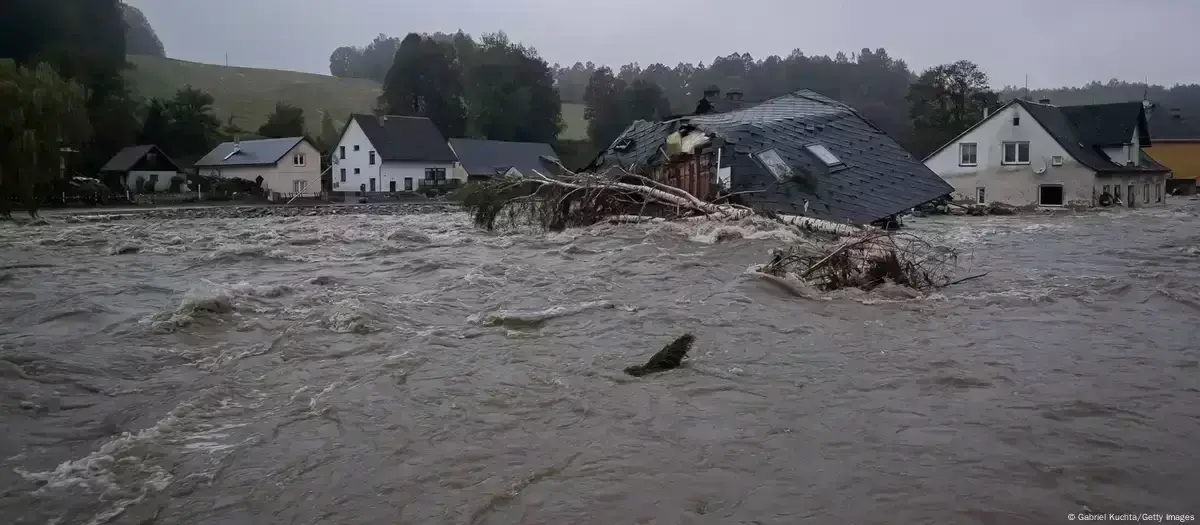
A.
x: 411, y: 370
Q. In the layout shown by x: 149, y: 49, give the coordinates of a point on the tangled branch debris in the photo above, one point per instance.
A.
x: 867, y: 260
x: 837, y: 256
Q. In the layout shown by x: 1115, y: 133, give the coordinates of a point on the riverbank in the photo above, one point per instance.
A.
x: 242, y: 211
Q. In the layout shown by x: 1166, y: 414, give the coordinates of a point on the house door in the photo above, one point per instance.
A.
x: 1129, y: 194
x: 392, y: 186
x: 298, y: 186
x: 372, y: 181
x: 408, y: 184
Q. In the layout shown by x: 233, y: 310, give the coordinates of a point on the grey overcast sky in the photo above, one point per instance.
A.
x: 1054, y: 42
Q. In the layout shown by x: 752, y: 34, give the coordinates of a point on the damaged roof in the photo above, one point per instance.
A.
x: 799, y: 154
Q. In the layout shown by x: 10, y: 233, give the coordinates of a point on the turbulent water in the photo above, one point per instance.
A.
x: 410, y: 370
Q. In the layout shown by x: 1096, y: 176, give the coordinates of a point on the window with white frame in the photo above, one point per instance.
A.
x: 298, y: 159
x: 1016, y: 153
x: 968, y: 154
x: 980, y: 196
x: 1056, y: 160
x: 372, y: 155
x: 343, y: 174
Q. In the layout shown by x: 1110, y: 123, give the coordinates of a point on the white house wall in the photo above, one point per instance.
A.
x: 1015, y: 185
x: 286, y: 175
x: 384, y: 173
x: 162, y: 184
x: 355, y: 160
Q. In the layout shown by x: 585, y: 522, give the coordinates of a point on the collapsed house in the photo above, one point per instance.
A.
x: 801, y: 154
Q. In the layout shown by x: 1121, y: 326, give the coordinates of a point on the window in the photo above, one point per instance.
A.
x: 968, y: 154
x: 434, y: 176
x: 771, y: 160
x: 342, y: 152
x: 372, y: 161
x: 1106, y: 189
x: 1117, y: 192
x: 1056, y: 160
x: 356, y: 147
x: 1050, y: 195
x: 298, y: 159
x: 343, y: 174
x: 980, y: 197
x: 356, y: 171
x: 298, y: 186
x: 824, y: 154
x: 1016, y: 153
x: 1016, y: 120
x: 1145, y: 194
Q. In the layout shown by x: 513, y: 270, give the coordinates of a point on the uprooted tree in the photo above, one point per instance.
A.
x: 842, y: 256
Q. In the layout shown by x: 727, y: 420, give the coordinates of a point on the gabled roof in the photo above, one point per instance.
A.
x: 489, y: 157
x: 264, y: 152
x: 1083, y: 131
x: 125, y: 159
x: 874, y: 177
x: 405, y: 139
x: 1170, y: 125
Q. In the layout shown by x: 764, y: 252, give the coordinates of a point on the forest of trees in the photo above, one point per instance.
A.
x: 920, y: 109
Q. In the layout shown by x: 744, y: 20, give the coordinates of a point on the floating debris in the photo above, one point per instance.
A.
x: 670, y: 357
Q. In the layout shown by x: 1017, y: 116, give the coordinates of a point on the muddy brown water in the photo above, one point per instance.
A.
x: 411, y: 370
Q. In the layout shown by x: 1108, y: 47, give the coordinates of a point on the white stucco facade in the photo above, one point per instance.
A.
x: 135, y: 180
x: 358, y: 167
x: 298, y: 172
x: 1034, y: 180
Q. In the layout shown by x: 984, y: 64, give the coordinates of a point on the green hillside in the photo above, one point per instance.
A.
x: 250, y: 94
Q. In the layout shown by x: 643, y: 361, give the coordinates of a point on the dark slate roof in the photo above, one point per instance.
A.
x: 125, y: 159
x: 489, y: 157
x: 1108, y: 124
x: 1084, y: 130
x: 264, y: 152
x: 405, y: 139
x: 877, y: 178
x: 1165, y: 125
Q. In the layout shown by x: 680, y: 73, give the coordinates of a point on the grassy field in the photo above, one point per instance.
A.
x: 250, y: 94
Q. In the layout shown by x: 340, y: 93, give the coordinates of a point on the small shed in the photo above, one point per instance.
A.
x: 142, y: 169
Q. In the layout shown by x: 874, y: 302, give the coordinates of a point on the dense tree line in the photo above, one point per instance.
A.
x: 487, y: 88
x: 140, y: 39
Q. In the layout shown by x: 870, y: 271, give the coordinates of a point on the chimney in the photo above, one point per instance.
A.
x: 1045, y: 101
x: 733, y: 95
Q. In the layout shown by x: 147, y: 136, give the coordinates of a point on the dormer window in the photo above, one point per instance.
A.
x: 823, y: 153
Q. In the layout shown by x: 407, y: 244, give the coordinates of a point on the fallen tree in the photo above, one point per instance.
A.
x: 847, y: 256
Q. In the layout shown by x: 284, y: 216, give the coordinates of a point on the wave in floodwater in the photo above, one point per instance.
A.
x: 357, y: 369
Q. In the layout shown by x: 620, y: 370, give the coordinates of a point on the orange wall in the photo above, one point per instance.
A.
x: 1183, y: 158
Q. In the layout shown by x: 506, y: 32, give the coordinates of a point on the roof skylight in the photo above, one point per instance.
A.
x: 771, y: 160
x: 823, y: 153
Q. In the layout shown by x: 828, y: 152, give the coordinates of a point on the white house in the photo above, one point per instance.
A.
x: 143, y: 168
x: 1038, y: 154
x: 288, y: 166
x: 390, y: 154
